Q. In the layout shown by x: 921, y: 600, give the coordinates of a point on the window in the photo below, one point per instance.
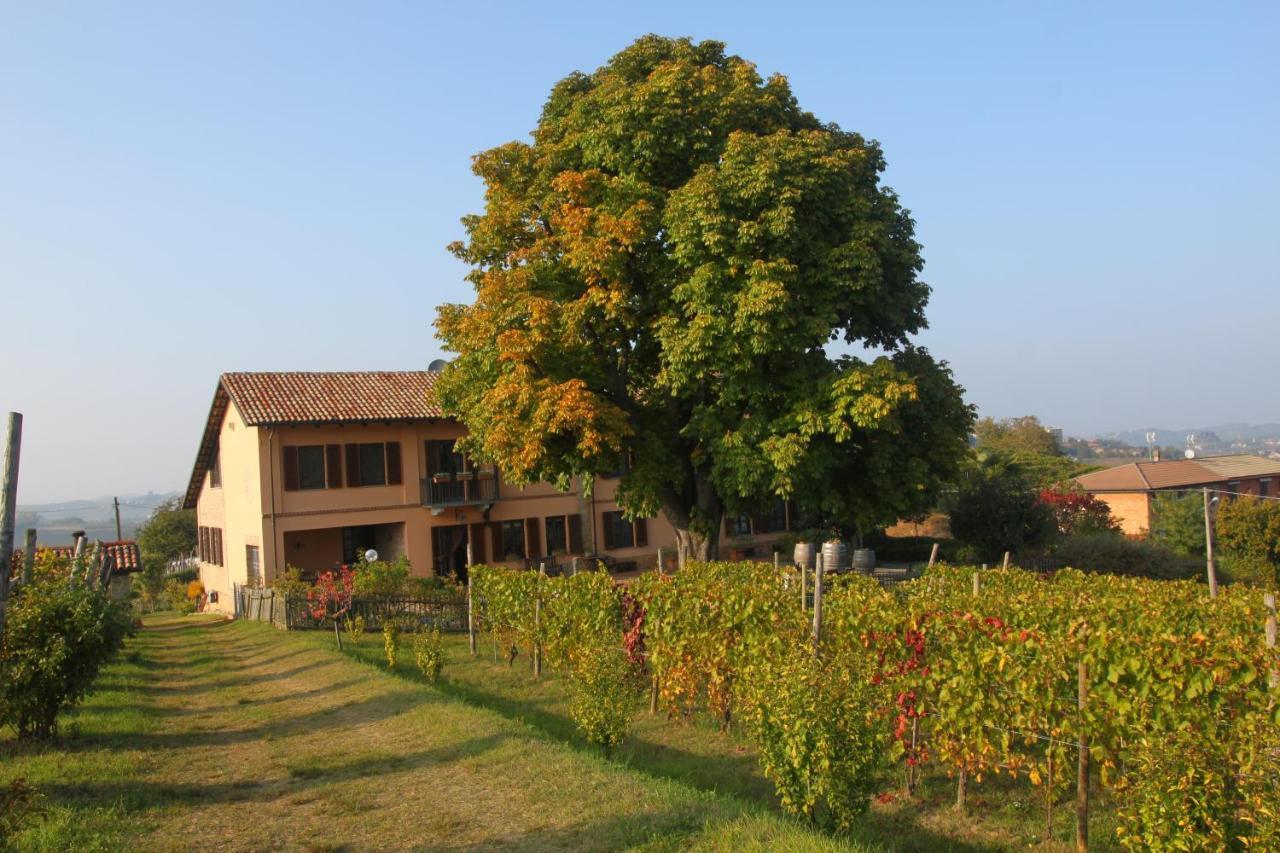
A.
x: 738, y: 525
x: 209, y: 545
x: 513, y: 540
x: 1264, y: 487
x: 620, y: 533
x: 374, y: 464
x: 557, y: 534
x: 442, y: 458
x: 1233, y: 488
x: 253, y: 565
x: 312, y: 466
x: 564, y: 534
x: 357, y: 540
x: 311, y: 473
x: 773, y: 521
x: 215, y: 471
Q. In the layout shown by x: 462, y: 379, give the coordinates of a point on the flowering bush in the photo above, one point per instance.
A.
x: 391, y: 641
x: 330, y: 598
x: 1075, y: 511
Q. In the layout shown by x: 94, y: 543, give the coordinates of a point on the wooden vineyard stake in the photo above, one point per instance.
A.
x: 1270, y: 601
x: 933, y: 554
x: 471, y: 620
x: 1082, y: 770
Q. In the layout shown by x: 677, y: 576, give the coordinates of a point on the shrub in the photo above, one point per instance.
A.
x: 290, y: 584
x: 355, y: 628
x: 330, y: 598
x: 1248, y: 534
x: 1076, y: 511
x: 195, y: 589
x: 602, y: 702
x: 1107, y: 553
x: 175, y: 594
x: 391, y: 641
x: 1177, y: 523
x: 56, y: 640
x: 428, y: 652
x: 381, y: 577
x: 19, y: 801
x: 994, y: 511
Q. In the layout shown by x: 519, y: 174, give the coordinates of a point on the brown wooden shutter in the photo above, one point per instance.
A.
x: 607, y: 528
x: 532, y: 539
x: 495, y: 536
x: 200, y: 544
x: 575, y: 534
x: 290, y: 469
x: 641, y: 529
x: 333, y: 464
x: 353, y: 464
x: 217, y: 545
x: 475, y: 535
x: 394, y: 474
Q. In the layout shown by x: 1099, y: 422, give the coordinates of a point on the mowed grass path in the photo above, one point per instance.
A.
x: 217, y: 735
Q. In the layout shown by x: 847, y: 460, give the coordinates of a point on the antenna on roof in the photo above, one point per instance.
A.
x: 438, y: 365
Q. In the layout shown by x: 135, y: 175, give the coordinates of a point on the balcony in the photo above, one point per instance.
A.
x: 462, y: 489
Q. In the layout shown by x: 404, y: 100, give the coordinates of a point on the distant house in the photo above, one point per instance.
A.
x: 310, y: 470
x: 1128, y: 489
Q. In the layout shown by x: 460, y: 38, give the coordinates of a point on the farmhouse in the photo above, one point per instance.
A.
x: 1128, y: 489
x: 312, y: 469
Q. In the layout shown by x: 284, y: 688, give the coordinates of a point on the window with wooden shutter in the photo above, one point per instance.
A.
x: 353, y: 464
x: 290, y: 468
x: 333, y: 465
x: 557, y: 534
x: 607, y: 528
x: 394, y: 474
x: 640, y: 534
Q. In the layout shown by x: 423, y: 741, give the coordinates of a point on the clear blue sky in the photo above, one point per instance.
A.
x: 185, y: 191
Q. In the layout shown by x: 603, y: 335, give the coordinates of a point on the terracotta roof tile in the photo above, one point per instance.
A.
x: 287, y: 398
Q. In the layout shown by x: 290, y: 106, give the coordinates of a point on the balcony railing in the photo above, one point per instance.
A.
x: 458, y: 490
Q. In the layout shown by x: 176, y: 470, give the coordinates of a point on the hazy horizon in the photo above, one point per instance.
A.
x: 188, y: 191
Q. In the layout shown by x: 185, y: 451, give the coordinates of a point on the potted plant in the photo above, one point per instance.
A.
x: 442, y: 477
x: 466, y: 476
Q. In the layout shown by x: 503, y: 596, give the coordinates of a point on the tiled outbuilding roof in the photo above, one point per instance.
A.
x: 269, y: 399
x: 292, y: 398
x: 124, y: 554
x: 1175, y: 473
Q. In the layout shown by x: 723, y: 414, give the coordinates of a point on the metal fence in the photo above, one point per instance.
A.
x: 294, y: 612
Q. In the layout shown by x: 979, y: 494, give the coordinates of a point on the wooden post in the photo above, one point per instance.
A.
x: 574, y: 568
x: 977, y: 583
x: 933, y: 553
x: 29, y: 557
x: 653, y: 695
x: 911, y: 768
x: 537, y: 623
x: 659, y: 559
x: 1006, y: 560
x: 1270, y: 601
x: 777, y: 561
x: 804, y: 587
x: 817, y: 603
x: 961, y: 784
x: 1209, y: 566
x: 1048, y: 798
x: 8, y: 507
x: 471, y: 619
x: 77, y: 553
x: 1082, y: 770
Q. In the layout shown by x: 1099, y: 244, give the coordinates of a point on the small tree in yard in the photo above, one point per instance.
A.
x: 1077, y: 512
x: 1177, y: 523
x: 331, y: 597
x: 168, y: 534
x: 1247, y: 531
x: 995, y: 510
x: 658, y: 276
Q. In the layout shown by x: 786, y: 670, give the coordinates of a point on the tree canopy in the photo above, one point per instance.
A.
x: 659, y: 275
x: 1016, y: 435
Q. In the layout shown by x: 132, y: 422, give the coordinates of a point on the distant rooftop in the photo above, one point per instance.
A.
x: 1145, y: 476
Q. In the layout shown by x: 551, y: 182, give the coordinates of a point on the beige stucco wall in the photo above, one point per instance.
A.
x: 235, y: 508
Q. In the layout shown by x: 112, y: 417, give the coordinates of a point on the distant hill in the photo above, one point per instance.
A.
x: 55, y: 522
x: 1228, y: 433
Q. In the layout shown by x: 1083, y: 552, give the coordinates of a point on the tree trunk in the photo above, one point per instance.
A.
x: 696, y: 513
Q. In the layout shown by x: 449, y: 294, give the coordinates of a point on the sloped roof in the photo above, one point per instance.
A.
x: 1175, y: 473
x: 271, y: 399
x: 124, y: 554
x: 295, y: 398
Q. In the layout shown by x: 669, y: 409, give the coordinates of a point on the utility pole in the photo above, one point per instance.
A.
x: 1210, y: 568
x: 8, y: 508
x: 119, y: 535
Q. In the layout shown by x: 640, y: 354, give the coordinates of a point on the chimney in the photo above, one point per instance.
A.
x: 1155, y: 454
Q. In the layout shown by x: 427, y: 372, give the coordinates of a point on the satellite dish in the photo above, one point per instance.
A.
x: 370, y: 556
x: 438, y: 365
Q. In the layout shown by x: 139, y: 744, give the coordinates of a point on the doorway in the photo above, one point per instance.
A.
x: 449, y: 544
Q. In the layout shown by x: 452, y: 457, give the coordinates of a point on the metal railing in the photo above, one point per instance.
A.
x: 459, y: 491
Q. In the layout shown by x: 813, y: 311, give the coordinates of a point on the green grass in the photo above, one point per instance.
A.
x: 209, y: 734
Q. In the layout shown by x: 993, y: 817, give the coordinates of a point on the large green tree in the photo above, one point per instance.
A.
x: 660, y: 274
x: 170, y: 533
